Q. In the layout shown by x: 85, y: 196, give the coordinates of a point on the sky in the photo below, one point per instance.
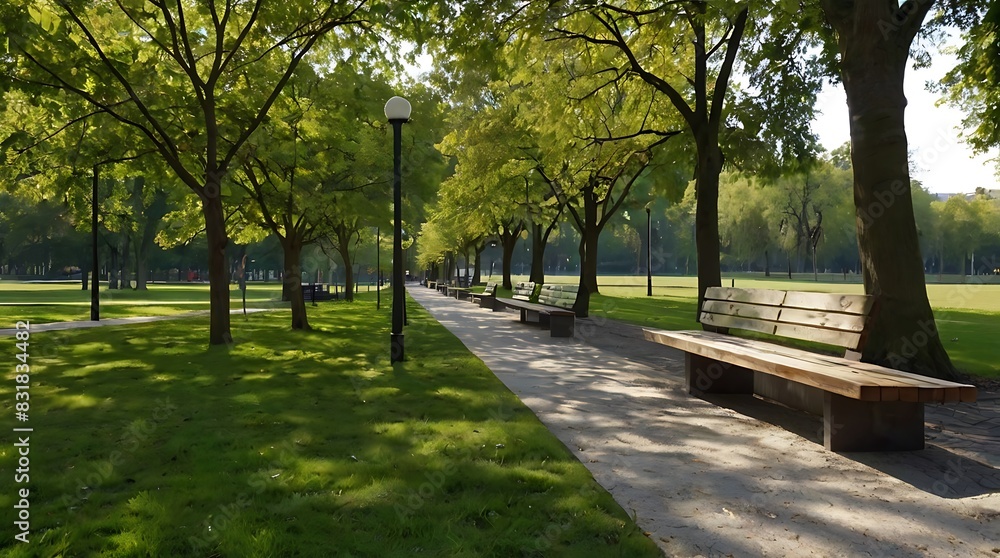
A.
x: 944, y: 163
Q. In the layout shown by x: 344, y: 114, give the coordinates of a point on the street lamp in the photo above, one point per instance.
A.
x: 397, y: 111
x: 649, y: 244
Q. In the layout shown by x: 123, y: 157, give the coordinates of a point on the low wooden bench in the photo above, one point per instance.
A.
x: 552, y: 311
x: 432, y: 284
x: 460, y: 293
x: 485, y: 298
x: 314, y: 292
x: 865, y: 407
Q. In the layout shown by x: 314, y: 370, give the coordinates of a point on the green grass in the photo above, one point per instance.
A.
x: 60, y: 302
x: 146, y: 443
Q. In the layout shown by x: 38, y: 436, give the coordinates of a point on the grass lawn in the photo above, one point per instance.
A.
x: 146, y: 443
x: 60, y: 302
x: 967, y: 315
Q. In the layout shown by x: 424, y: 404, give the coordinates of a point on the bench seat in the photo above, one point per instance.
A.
x: 552, y: 311
x: 848, y: 378
x: 485, y: 298
x: 865, y: 407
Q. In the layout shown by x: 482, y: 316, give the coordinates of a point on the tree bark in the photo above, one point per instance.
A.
x: 508, y: 240
x: 538, y: 239
x: 706, y: 227
x: 291, y: 245
x: 342, y: 234
x: 477, y: 273
x: 874, y: 47
x: 126, y: 274
x: 581, y: 307
x: 113, y: 269
x: 218, y: 267
x: 153, y: 215
x: 590, y: 235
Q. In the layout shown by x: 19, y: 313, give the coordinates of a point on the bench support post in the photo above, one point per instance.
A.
x: 853, y: 425
x: 561, y: 326
x: 705, y: 375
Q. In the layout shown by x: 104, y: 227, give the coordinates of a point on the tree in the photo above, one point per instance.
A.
x: 874, y: 40
x: 178, y: 73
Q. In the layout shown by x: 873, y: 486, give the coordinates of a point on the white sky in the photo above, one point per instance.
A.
x: 944, y: 163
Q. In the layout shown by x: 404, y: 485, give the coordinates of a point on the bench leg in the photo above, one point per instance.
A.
x: 544, y: 321
x: 853, y: 425
x: 705, y: 375
x: 561, y: 326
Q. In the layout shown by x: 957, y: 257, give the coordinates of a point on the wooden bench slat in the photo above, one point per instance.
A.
x: 736, y: 322
x: 829, y: 336
x: 873, y: 370
x: 741, y: 309
x: 824, y: 319
x: 845, y: 303
x: 849, y: 378
x: 755, y: 296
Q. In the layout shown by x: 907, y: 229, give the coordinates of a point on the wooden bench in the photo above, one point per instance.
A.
x: 485, y: 298
x: 313, y: 292
x: 432, y: 284
x: 460, y: 293
x: 865, y: 407
x: 552, y: 311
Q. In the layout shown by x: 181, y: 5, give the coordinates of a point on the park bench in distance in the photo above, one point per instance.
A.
x: 315, y: 292
x: 552, y: 311
x: 865, y: 407
x: 485, y: 298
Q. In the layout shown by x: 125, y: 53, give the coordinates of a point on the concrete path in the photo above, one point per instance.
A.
x: 736, y: 476
x: 81, y: 324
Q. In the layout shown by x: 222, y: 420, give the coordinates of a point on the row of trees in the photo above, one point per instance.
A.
x: 258, y: 116
x: 229, y: 120
x: 584, y: 100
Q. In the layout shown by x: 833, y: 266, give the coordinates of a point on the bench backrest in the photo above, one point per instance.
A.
x: 833, y: 319
x: 490, y: 287
x: 524, y: 291
x: 563, y: 296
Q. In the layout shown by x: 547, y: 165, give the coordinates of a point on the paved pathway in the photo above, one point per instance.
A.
x: 737, y: 476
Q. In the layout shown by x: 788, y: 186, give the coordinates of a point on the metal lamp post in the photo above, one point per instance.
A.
x: 649, y: 244
x: 397, y: 111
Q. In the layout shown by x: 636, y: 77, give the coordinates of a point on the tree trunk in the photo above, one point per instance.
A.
x: 706, y: 226
x: 581, y: 307
x: 508, y: 242
x: 873, y: 64
x: 344, y: 249
x: 538, y: 239
x: 126, y: 275
x: 291, y: 245
x: 477, y: 274
x: 767, y: 264
x: 113, y: 270
x: 154, y: 216
x: 218, y: 268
